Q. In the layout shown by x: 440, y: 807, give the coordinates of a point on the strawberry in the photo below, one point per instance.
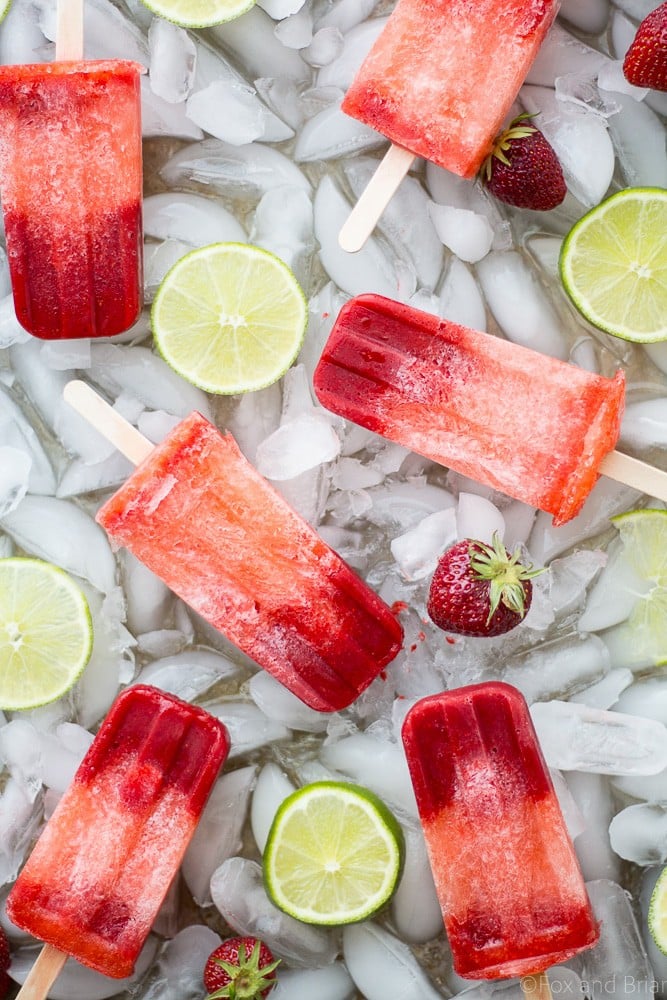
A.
x: 5, y: 959
x: 522, y: 169
x: 242, y: 968
x: 645, y: 62
x: 480, y: 589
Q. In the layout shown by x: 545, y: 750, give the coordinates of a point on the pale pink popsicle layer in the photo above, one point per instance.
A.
x: 443, y: 74
x: 526, y: 424
x: 201, y: 518
x: 95, y: 881
x: 71, y: 183
x: 508, y: 881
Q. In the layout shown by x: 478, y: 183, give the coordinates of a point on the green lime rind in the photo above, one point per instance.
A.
x: 199, y: 13
x: 613, y: 265
x: 657, y: 912
x: 334, y: 854
x: 5, y: 10
x: 230, y: 318
x: 46, y: 633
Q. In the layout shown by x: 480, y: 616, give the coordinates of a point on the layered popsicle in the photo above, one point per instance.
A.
x: 201, y: 518
x: 443, y: 74
x: 528, y: 425
x: 512, y: 895
x: 105, y: 860
x: 71, y: 188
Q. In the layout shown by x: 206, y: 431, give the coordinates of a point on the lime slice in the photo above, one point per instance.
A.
x: 199, y: 13
x: 334, y: 854
x: 657, y: 912
x: 641, y: 640
x: 4, y: 9
x: 229, y: 317
x: 46, y: 634
x: 613, y: 265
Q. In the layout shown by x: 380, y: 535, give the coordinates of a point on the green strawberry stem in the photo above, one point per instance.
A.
x: 247, y: 979
x: 504, y: 572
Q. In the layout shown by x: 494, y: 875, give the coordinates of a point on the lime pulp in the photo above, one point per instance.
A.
x: 613, y: 265
x: 199, y: 13
x: 657, y: 912
x: 334, y: 854
x: 229, y: 317
x: 45, y: 633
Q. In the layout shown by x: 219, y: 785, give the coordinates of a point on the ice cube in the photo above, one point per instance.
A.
x: 190, y: 218
x: 415, y: 909
x: 639, y: 833
x: 460, y: 298
x: 575, y: 737
x: 417, y: 551
x: 173, y: 60
x: 520, y: 304
x: 272, y: 787
x: 592, y: 794
x: 252, y: 39
x: 15, y: 465
x: 219, y: 833
x: 383, y: 966
x: 238, y: 892
x: 465, y: 233
x: 619, y: 958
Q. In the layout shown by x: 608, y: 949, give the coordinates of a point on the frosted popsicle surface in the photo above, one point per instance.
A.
x: 200, y: 517
x: 523, y: 423
x: 71, y: 186
x: 508, y: 881
x: 443, y: 74
x: 94, y: 882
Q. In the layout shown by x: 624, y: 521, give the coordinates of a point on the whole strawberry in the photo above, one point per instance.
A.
x: 5, y: 959
x: 242, y: 968
x: 645, y: 62
x: 480, y: 589
x: 523, y: 170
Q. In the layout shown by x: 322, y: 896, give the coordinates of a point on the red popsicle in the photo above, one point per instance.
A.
x: 96, y: 878
x: 203, y: 519
x: 442, y: 76
x: 512, y: 895
x: 523, y: 423
x: 71, y: 183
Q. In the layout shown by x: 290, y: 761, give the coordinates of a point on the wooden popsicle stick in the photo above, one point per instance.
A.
x: 536, y: 987
x: 69, y: 30
x: 633, y: 472
x: 43, y: 974
x: 107, y: 421
x: 374, y: 198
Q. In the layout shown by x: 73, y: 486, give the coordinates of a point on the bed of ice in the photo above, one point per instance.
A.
x: 245, y: 141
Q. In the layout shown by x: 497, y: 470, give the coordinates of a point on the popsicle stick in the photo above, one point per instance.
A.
x: 69, y: 30
x: 536, y: 987
x: 374, y: 198
x: 107, y: 421
x: 43, y: 974
x: 633, y: 472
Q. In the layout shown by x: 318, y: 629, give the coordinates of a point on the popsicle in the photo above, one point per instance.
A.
x: 71, y: 185
x: 535, y: 428
x: 512, y: 895
x: 439, y: 82
x: 202, y: 519
x: 95, y: 880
